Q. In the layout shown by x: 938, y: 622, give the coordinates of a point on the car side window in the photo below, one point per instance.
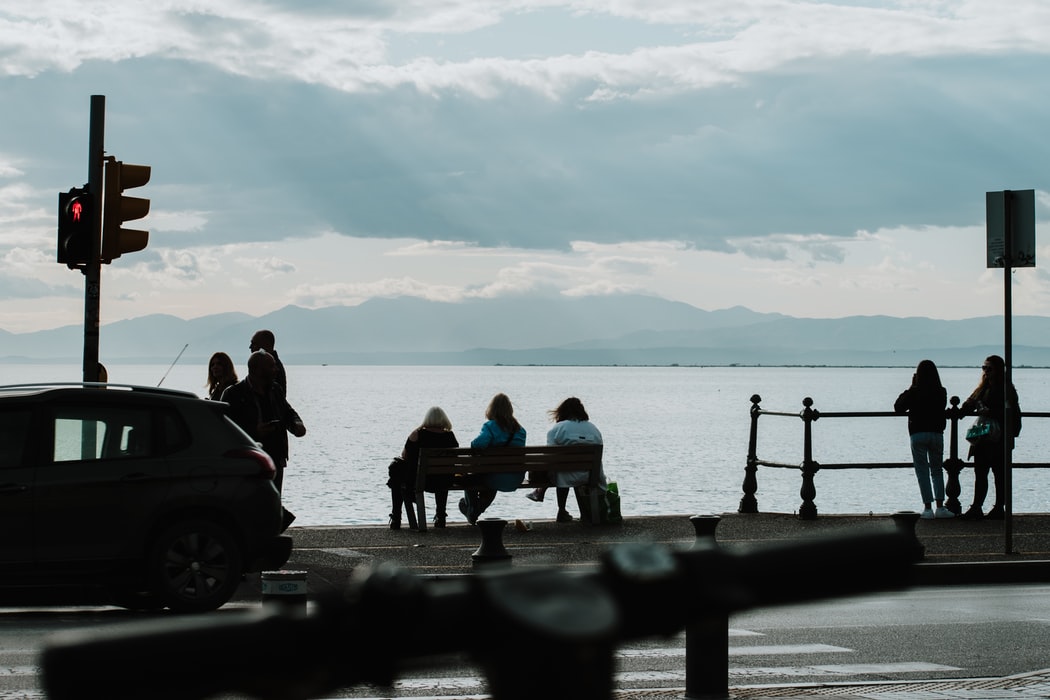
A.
x: 101, y: 432
x: 174, y: 433
x: 14, y: 432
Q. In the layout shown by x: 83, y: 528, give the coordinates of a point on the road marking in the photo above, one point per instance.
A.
x: 841, y: 669
x: 769, y: 650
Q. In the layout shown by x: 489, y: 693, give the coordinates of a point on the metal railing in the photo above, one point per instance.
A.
x: 809, y: 467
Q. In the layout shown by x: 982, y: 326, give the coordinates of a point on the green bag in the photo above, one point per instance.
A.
x: 608, y: 504
x: 612, y: 497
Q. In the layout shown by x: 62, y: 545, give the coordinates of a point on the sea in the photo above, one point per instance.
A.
x: 676, y: 438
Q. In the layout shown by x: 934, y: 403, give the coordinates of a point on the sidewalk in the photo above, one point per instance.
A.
x: 956, y: 552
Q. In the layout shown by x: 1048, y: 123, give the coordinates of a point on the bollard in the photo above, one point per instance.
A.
x: 905, y: 521
x: 706, y: 639
x: 491, y: 552
x: 284, y: 588
x: 704, y: 526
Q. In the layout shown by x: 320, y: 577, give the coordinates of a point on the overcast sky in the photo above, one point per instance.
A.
x: 818, y: 159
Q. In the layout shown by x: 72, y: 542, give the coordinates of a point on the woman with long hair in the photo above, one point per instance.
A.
x: 989, y: 400
x: 924, y: 402
x: 572, y: 426
x: 500, y: 430
x: 221, y: 374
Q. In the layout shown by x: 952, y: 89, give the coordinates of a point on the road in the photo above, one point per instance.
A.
x: 920, y: 634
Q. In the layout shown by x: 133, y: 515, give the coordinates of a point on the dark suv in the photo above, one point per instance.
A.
x: 133, y: 496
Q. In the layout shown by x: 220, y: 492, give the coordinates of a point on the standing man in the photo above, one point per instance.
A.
x: 264, y: 340
x: 258, y: 405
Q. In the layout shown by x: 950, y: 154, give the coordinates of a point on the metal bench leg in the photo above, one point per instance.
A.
x: 421, y: 511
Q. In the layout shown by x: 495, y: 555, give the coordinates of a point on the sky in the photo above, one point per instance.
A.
x: 818, y: 159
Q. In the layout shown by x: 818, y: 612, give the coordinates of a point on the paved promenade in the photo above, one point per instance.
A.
x: 955, y: 551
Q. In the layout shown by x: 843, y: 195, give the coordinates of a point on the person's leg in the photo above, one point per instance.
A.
x: 440, y: 504
x: 485, y: 498
x: 395, y: 507
x: 998, y: 473
x: 537, y: 494
x: 936, y: 453
x: 563, y: 500
x: 921, y: 463
x: 980, y: 487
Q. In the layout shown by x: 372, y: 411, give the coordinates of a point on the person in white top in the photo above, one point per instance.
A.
x: 572, y: 426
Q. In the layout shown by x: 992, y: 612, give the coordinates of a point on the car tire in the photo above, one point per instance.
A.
x: 195, y: 566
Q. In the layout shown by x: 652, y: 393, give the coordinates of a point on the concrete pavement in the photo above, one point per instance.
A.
x: 956, y: 551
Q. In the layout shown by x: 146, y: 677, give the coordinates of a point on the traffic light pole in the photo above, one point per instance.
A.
x: 93, y: 269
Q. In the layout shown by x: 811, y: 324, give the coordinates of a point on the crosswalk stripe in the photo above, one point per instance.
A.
x: 840, y: 669
x: 769, y: 650
x: 782, y: 671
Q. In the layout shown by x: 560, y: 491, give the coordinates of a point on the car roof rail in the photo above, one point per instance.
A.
x: 99, y: 385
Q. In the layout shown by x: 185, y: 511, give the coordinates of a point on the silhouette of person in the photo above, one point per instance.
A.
x: 924, y: 402
x: 264, y: 340
x: 988, y: 400
x: 572, y: 426
x: 258, y: 405
x: 500, y: 430
x: 434, y: 431
x: 221, y: 374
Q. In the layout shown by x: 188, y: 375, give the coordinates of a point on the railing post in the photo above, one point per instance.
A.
x: 808, y: 492
x: 953, y: 465
x: 707, y: 637
x: 749, y: 504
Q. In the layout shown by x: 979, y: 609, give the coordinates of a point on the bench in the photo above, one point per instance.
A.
x: 458, y: 461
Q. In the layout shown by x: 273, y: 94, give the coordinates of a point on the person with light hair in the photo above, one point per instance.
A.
x: 434, y: 431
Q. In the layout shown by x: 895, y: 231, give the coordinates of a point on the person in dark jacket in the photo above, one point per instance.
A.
x: 259, y: 407
x: 435, y: 431
x: 988, y: 400
x: 924, y: 402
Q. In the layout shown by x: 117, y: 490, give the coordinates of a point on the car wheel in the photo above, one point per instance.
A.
x: 195, y: 566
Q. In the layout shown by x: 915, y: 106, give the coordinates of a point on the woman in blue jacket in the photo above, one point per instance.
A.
x: 500, y: 430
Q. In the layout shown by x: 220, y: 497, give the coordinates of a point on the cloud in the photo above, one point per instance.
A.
x: 456, y: 148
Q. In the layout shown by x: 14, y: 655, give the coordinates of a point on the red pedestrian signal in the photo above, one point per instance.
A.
x: 76, y: 229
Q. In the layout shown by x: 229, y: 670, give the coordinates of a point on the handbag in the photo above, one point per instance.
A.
x: 984, y: 429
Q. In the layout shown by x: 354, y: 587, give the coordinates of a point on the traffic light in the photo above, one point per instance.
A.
x: 76, y: 227
x: 118, y: 209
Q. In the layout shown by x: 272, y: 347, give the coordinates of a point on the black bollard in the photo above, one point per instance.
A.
x: 704, y: 526
x: 491, y: 552
x: 906, y: 520
x: 707, y: 639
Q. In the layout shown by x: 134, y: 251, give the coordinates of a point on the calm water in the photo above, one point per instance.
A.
x: 676, y: 437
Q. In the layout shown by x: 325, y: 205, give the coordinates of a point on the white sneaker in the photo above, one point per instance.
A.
x: 927, y: 514
x: 943, y: 512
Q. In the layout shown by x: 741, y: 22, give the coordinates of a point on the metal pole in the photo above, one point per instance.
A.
x: 93, y: 269
x: 1008, y: 427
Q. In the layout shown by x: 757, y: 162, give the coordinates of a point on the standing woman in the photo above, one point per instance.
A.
x: 221, y: 374
x: 924, y: 403
x: 987, y: 400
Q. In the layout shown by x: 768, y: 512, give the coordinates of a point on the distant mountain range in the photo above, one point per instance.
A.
x: 610, y: 330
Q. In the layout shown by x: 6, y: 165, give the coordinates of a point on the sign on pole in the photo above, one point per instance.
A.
x: 1018, y: 208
